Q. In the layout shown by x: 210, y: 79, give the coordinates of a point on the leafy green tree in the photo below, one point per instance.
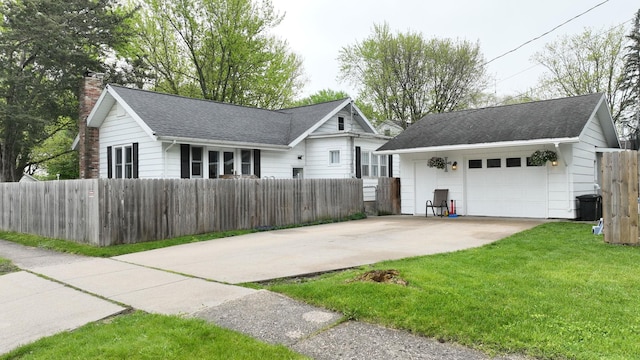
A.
x: 219, y: 50
x: 45, y: 47
x: 324, y: 95
x: 54, y: 155
x: 631, y: 82
x: 405, y: 76
x: 589, y: 62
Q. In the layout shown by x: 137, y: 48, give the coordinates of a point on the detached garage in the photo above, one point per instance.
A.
x: 523, y: 160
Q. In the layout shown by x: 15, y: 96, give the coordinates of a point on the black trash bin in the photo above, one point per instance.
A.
x: 590, y: 207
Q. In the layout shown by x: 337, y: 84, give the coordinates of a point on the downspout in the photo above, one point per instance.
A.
x: 353, y: 142
x: 564, y: 160
x: 164, y: 171
x: 569, y: 177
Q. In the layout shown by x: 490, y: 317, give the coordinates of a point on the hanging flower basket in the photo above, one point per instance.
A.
x: 540, y: 157
x: 437, y: 162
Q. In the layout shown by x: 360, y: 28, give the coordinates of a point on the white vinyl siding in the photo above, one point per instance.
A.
x: 331, y: 125
x: 120, y: 129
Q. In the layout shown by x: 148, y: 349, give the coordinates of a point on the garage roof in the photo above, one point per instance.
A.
x: 561, y: 120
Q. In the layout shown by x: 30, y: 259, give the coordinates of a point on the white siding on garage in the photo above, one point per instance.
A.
x: 119, y: 129
x: 418, y: 181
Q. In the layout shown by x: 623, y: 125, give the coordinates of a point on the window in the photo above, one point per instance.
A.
x: 118, y: 163
x: 123, y: 162
x: 475, y: 164
x: 128, y: 162
x: 365, y: 163
x: 494, y: 163
x: 196, y: 162
x: 298, y: 173
x: 245, y: 156
x: 375, y: 170
x: 214, y: 164
x: 514, y: 162
x: 334, y: 157
x: 228, y: 163
x: 384, y: 169
x: 340, y: 123
x: 387, y: 132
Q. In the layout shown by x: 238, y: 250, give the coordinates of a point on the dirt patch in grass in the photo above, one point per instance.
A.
x: 381, y: 276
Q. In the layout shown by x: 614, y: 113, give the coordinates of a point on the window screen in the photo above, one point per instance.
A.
x: 514, y: 162
x: 475, y: 164
x: 494, y: 163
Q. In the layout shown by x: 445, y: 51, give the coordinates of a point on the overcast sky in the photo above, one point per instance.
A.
x: 318, y: 29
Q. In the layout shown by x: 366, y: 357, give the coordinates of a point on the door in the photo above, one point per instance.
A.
x: 501, y: 186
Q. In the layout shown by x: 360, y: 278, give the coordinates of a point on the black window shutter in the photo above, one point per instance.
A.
x: 185, y: 168
x: 390, y: 163
x: 109, y: 162
x: 135, y: 161
x: 256, y: 162
x: 358, y: 162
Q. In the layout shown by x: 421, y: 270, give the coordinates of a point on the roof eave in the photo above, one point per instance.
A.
x: 482, y: 145
x: 319, y: 123
x: 223, y: 143
x: 350, y: 134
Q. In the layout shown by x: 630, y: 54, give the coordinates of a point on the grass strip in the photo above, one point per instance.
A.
x: 148, y: 336
x: 555, y: 291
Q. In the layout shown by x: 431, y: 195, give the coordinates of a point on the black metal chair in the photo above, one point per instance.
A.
x: 440, y: 201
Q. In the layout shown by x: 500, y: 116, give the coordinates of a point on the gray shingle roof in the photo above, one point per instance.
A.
x: 304, y: 117
x: 547, y: 119
x: 182, y: 117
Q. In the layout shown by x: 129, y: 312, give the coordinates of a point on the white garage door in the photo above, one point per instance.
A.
x: 506, y: 187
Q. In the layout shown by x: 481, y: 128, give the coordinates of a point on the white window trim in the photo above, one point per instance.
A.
x: 370, y: 165
x: 123, y: 164
x: 331, y: 163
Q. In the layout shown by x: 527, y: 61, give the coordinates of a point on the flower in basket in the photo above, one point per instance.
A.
x: 437, y: 162
x: 540, y: 157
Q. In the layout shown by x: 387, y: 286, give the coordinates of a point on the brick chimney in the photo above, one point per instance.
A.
x: 88, y: 146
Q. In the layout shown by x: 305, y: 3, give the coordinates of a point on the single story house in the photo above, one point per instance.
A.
x: 489, y: 170
x: 131, y: 133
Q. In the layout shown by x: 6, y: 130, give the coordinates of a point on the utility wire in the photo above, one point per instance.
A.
x: 546, y: 33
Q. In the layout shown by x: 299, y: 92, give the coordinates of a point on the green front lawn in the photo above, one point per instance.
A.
x: 555, y: 291
x: 146, y: 336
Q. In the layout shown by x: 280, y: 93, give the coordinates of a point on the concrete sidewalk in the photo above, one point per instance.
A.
x: 109, y: 286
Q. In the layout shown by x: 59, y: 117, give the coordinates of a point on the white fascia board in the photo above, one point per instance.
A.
x: 350, y: 134
x: 224, y: 144
x: 319, y: 123
x: 367, y: 122
x: 482, y: 145
x: 100, y: 109
x: 76, y: 141
x: 132, y: 113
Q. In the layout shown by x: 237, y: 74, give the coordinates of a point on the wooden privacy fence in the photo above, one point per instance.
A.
x: 106, y: 212
x: 388, y: 196
x: 620, y: 197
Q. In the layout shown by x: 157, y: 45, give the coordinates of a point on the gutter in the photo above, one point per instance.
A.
x: 480, y: 146
x: 223, y: 143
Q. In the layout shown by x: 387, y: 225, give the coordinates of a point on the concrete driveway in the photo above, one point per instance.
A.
x: 304, y: 250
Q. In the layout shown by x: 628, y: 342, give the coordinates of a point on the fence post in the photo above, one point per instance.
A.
x: 620, y: 197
